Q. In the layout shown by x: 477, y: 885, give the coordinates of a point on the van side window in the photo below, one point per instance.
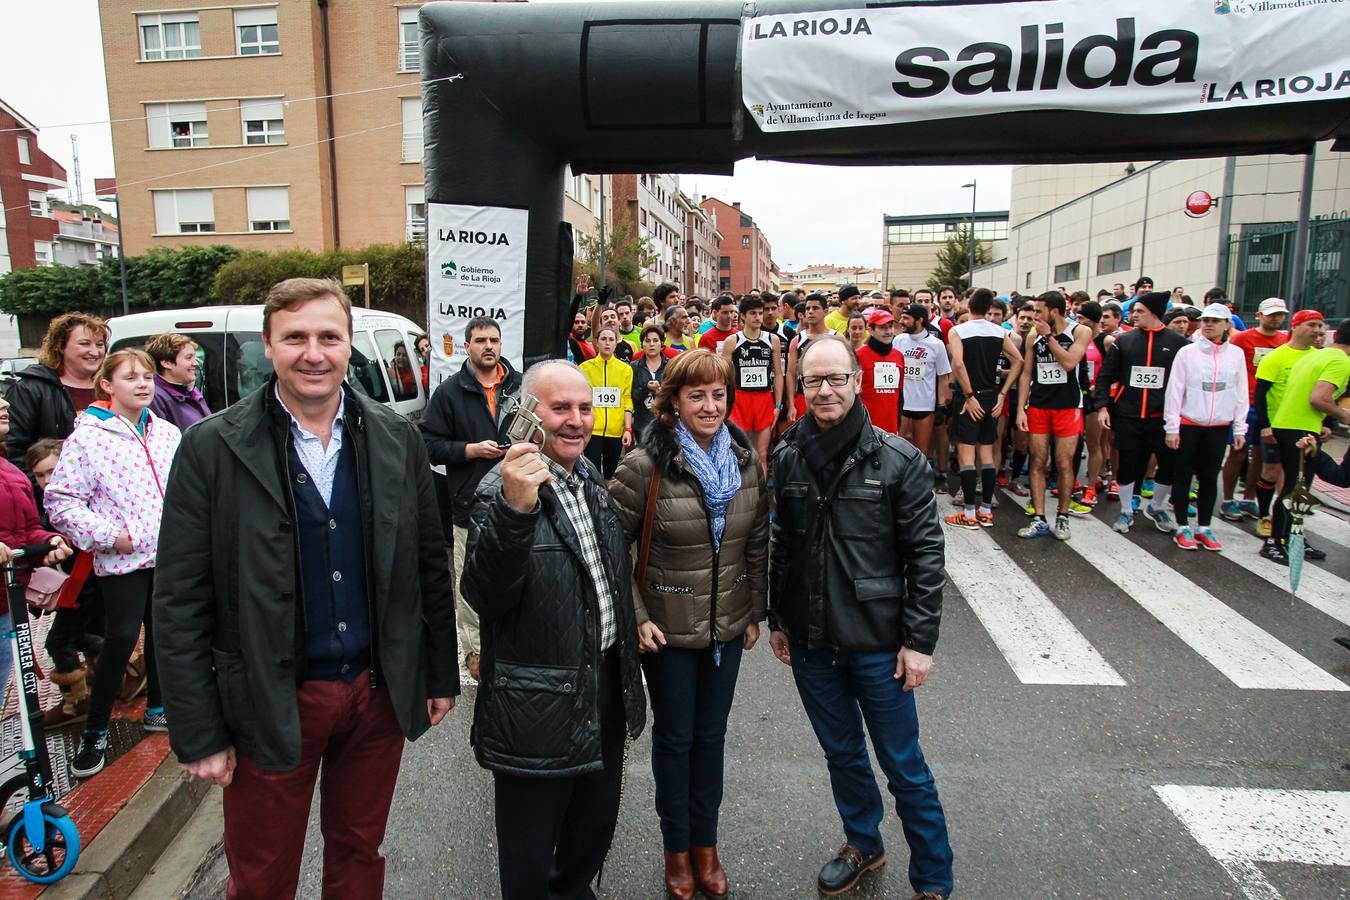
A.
x: 399, y: 363
x: 247, y: 367
x: 363, y: 371
x: 210, y: 375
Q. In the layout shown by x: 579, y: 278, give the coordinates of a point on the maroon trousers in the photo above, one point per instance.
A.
x: 351, y: 730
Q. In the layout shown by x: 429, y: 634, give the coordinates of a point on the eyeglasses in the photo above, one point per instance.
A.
x: 836, y: 379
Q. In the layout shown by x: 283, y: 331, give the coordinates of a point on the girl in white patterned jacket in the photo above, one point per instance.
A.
x: 107, y: 495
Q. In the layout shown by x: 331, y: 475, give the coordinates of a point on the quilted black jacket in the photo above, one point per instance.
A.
x: 856, y: 565
x: 538, y: 706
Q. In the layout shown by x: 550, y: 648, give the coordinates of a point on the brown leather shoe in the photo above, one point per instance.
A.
x: 708, y: 871
x: 679, y: 876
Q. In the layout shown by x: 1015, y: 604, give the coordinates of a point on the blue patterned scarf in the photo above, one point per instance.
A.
x: 717, y: 472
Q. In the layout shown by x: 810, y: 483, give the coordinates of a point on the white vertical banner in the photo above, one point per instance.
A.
x: 475, y: 267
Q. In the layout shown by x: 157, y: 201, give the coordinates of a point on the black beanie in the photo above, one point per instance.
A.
x: 1155, y: 302
x: 848, y: 290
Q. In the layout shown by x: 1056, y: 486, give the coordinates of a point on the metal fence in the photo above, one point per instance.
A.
x: 1261, y: 265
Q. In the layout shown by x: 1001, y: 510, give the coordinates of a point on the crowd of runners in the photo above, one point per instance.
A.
x: 1148, y: 400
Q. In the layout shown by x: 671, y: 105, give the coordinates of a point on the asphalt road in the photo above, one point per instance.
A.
x: 1051, y: 790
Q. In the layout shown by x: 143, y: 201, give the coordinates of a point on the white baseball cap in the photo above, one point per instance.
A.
x: 1216, y: 311
x: 1272, y: 305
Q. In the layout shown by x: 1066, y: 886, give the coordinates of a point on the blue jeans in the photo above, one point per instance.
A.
x: 840, y: 691
x: 691, y: 699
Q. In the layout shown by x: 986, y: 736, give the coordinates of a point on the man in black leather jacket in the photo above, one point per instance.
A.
x: 549, y: 575
x: 855, y: 598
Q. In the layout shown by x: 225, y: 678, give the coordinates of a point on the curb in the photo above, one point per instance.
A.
x: 124, y: 851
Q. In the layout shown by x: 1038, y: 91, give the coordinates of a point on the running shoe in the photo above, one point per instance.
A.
x: 1147, y: 490
x: 1205, y: 538
x: 1038, y: 528
x: 155, y: 721
x: 1162, y: 519
x: 1079, y: 509
x: 1062, y: 528
x: 1002, y: 479
x: 1273, y: 551
x: 1089, y: 497
x: 940, y: 484
x: 1019, y: 488
x: 1113, y: 491
x: 1311, y: 552
x: 1123, y: 523
x: 1135, y: 503
x: 1030, y: 510
x: 986, y: 519
x: 1183, y: 538
x: 1250, y: 509
x: 1230, y: 510
x: 1263, y: 527
x: 961, y: 520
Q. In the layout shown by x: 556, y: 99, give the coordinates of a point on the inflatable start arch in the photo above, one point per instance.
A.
x: 515, y: 92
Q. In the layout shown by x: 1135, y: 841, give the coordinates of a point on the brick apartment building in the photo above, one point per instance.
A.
x: 652, y: 201
x: 28, y: 230
x: 702, y: 241
x: 745, y: 260
x: 217, y: 137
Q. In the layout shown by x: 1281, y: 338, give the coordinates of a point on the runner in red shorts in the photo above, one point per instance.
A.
x: 757, y: 356
x: 1052, y: 383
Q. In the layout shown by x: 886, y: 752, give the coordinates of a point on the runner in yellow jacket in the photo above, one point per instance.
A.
x: 612, y: 398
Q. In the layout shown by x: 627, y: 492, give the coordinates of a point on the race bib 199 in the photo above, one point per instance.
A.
x: 1147, y: 376
x: 605, y: 397
x: 1051, y: 373
x: 753, y: 377
x: 886, y: 376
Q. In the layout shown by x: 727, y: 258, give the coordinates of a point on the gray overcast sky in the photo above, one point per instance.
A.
x: 811, y: 214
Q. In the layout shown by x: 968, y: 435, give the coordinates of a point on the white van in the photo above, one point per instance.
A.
x: 233, y: 365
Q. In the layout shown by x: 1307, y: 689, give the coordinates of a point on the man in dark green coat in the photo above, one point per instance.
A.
x: 303, y: 610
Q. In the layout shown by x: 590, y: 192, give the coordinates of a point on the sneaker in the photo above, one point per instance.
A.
x: 1135, y: 503
x: 93, y: 751
x: 1038, y: 528
x: 1205, y: 538
x: 961, y: 520
x: 1147, y: 490
x: 1079, y: 509
x: 156, y: 721
x: 1311, y: 552
x: 1263, y: 527
x: 940, y: 485
x: 1062, y: 527
x: 986, y: 519
x: 1273, y: 551
x: 1162, y: 519
x: 1113, y: 491
x: 1089, y: 497
x: 1019, y: 487
x: 1123, y: 523
x: 1250, y: 509
x: 1230, y: 510
x: 1183, y: 538
x: 1002, y: 480
x: 1030, y: 509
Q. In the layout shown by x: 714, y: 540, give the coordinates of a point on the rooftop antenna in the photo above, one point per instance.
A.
x: 75, y: 167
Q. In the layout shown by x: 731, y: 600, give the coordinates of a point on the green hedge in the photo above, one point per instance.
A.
x: 196, y: 276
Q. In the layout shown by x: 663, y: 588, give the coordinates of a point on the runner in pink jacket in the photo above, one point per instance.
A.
x: 1205, y: 409
x: 107, y: 495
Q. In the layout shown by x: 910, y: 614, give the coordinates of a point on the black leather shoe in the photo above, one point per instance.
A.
x: 840, y: 875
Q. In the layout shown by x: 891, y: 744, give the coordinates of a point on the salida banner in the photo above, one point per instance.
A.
x: 475, y: 268
x: 921, y: 62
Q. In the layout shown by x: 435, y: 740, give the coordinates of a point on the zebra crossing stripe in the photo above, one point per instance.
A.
x: 1247, y: 655
x: 1241, y: 827
x: 1320, y: 589
x: 1039, y: 642
x: 1329, y: 525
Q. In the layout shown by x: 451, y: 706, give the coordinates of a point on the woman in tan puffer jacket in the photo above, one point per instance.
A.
x: 701, y: 599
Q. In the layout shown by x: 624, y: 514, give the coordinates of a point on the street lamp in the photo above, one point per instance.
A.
x: 970, y: 252
x: 106, y: 189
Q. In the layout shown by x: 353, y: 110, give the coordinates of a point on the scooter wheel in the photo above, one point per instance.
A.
x: 61, y: 848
